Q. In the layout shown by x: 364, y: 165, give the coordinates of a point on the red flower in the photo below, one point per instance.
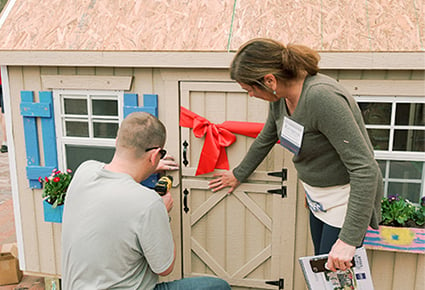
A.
x: 56, y: 179
x: 46, y: 179
x: 39, y: 179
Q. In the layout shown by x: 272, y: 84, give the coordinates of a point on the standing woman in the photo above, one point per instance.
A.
x: 319, y: 121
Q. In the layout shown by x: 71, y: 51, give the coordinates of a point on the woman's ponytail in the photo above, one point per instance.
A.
x: 302, y: 58
x: 262, y: 56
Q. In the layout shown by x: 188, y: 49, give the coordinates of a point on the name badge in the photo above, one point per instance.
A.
x: 291, y: 136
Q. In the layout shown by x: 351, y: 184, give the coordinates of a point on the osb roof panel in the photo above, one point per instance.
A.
x: 213, y: 25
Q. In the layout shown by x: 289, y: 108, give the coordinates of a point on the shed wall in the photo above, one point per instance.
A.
x: 41, y: 240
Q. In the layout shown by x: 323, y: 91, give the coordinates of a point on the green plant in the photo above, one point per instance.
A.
x: 401, y: 212
x: 55, y: 186
x: 419, y: 216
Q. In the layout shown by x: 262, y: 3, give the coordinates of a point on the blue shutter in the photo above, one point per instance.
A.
x: 30, y: 111
x: 150, y: 105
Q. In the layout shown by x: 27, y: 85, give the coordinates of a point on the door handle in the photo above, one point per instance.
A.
x: 185, y: 144
x: 185, y: 194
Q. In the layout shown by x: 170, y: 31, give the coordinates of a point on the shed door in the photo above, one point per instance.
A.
x: 246, y: 237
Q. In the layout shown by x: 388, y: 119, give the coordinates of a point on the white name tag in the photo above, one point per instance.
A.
x: 291, y: 136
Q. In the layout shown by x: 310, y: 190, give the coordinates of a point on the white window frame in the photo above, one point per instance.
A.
x: 394, y: 100
x: 60, y: 117
x: 393, y: 91
x: 391, y: 155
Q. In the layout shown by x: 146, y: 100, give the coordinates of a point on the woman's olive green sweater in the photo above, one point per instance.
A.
x: 335, y: 150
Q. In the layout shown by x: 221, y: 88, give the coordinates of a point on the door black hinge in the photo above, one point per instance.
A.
x: 281, y: 191
x: 282, y: 174
x: 276, y: 283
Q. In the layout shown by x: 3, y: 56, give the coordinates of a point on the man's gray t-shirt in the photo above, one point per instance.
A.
x: 115, y: 233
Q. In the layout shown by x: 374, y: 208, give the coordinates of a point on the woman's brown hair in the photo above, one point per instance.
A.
x: 261, y: 56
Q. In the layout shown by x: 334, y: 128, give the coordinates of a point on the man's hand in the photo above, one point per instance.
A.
x: 168, y: 201
x: 340, y: 256
x: 224, y: 179
x: 167, y: 163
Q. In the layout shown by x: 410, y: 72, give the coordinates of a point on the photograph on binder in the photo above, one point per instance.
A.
x: 317, y: 276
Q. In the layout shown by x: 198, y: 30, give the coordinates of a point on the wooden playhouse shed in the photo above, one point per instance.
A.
x: 72, y: 70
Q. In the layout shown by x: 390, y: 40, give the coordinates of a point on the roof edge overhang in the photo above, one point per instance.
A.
x: 198, y: 59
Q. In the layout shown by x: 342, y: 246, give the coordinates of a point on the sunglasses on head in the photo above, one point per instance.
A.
x: 162, y: 152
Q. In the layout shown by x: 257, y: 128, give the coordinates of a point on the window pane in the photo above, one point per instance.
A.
x: 376, y: 113
x: 76, y: 154
x: 105, y: 107
x: 406, y: 169
x: 382, y: 165
x: 410, y: 114
x: 379, y: 138
x: 409, y: 140
x: 75, y: 106
x: 105, y: 130
x: 411, y: 191
x: 77, y: 129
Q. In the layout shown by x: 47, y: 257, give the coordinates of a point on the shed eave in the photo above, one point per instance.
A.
x: 199, y: 59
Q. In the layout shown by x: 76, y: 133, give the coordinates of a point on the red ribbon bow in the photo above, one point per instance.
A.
x: 217, y: 138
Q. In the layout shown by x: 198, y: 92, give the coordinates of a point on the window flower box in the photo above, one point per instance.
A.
x: 52, y: 214
x: 402, y: 228
x: 54, y: 192
x: 396, y: 239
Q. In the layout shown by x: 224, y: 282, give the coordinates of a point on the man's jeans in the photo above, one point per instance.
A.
x: 194, y: 283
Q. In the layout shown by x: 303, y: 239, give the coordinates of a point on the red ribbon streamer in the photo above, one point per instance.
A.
x: 217, y: 138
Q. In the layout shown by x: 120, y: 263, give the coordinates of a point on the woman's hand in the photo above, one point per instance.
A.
x: 224, y: 179
x: 168, y: 201
x: 340, y: 256
x: 167, y: 163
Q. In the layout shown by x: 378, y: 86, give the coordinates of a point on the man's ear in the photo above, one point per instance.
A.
x: 154, y: 156
x: 270, y: 81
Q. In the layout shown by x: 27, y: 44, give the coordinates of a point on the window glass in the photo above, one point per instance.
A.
x: 105, y: 107
x: 410, y: 114
x: 75, y: 106
x: 105, y: 130
x: 376, y: 113
x: 411, y: 191
x: 409, y: 140
x: 77, y: 154
x: 76, y: 129
x: 379, y: 138
x: 406, y: 169
x: 382, y: 165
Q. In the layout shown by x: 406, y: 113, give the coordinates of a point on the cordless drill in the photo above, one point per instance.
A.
x: 164, y: 184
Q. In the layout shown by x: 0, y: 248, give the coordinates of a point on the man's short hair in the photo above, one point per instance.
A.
x: 140, y: 131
